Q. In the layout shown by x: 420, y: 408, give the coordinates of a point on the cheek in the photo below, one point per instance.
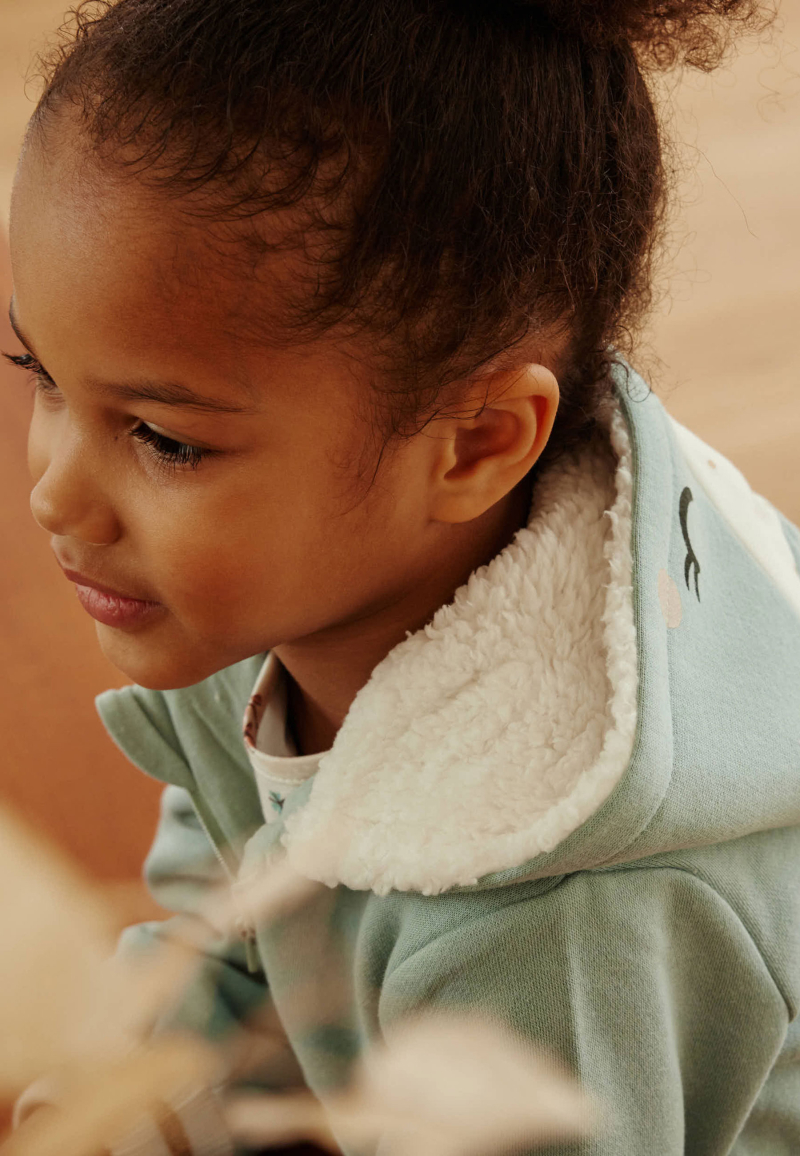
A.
x: 201, y: 558
x: 229, y: 556
x: 248, y: 559
x: 279, y: 570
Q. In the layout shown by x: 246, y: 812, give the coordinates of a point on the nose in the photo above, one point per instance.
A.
x: 67, y: 499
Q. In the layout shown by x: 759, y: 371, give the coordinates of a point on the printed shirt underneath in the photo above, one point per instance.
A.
x: 269, y: 743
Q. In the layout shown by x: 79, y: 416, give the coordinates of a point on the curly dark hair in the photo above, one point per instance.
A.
x: 481, y: 172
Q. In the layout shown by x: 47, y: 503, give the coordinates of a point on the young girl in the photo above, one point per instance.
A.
x: 415, y: 579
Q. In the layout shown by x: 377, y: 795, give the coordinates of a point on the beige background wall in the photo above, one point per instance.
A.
x: 727, y: 339
x: 729, y: 333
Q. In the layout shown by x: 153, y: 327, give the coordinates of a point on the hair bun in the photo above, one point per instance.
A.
x: 695, y: 32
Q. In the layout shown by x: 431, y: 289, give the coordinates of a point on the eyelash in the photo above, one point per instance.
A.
x: 169, y: 451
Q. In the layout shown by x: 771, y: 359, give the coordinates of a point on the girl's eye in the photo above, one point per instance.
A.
x: 168, y: 451
x: 42, y: 379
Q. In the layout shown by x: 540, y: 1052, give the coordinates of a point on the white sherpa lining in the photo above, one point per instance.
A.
x: 489, y: 735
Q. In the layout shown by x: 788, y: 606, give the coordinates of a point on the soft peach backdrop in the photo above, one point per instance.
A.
x: 727, y: 338
x: 56, y: 763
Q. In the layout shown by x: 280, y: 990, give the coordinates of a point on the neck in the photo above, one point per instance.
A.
x: 325, y: 671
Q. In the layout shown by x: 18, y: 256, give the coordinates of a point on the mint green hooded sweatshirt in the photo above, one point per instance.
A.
x: 572, y: 801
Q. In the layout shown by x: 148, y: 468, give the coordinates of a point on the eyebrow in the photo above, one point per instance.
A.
x: 164, y: 392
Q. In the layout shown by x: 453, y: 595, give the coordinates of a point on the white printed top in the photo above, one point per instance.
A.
x: 268, y: 741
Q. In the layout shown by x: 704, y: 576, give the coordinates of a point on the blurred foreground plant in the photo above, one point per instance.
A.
x: 70, y: 1008
x: 443, y: 1086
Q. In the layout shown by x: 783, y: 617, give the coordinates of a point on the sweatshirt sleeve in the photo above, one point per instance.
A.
x: 180, y: 870
x: 644, y: 983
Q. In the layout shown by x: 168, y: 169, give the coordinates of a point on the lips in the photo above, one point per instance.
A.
x: 82, y: 580
x: 111, y: 607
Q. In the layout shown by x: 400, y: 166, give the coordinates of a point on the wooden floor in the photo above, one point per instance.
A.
x: 726, y: 337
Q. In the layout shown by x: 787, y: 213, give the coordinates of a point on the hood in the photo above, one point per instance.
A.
x: 623, y: 679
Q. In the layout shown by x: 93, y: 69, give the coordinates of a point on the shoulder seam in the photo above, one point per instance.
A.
x: 791, y: 1010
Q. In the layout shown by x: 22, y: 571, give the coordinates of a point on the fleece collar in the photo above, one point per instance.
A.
x: 489, y: 735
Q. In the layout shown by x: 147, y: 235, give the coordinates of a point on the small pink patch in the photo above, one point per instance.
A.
x: 669, y: 598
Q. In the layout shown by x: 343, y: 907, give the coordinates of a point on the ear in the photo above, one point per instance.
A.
x: 478, y: 460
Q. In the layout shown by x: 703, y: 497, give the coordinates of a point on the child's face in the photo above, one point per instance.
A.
x: 265, y: 541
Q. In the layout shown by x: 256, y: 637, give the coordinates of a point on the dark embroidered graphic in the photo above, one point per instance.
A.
x: 691, y: 557
x: 276, y: 800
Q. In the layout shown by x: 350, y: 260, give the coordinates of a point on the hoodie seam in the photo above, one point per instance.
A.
x: 438, y: 941
x: 641, y: 621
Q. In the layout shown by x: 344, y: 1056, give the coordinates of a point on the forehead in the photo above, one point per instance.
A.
x: 99, y: 247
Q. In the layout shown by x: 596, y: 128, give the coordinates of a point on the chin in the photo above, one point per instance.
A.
x: 156, y: 664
